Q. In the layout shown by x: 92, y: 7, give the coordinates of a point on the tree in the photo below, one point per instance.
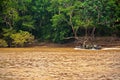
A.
x: 7, y: 32
x: 60, y: 20
x: 21, y: 38
x: 68, y: 12
x: 41, y: 15
x: 3, y: 43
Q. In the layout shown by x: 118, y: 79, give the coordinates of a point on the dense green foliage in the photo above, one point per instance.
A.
x: 21, y: 38
x: 57, y: 20
x: 3, y: 43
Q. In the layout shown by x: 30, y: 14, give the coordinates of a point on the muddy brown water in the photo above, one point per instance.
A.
x: 59, y: 64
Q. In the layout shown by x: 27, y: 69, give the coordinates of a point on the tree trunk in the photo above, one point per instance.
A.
x: 93, y: 35
x: 71, y: 24
x: 74, y: 33
x: 85, y: 38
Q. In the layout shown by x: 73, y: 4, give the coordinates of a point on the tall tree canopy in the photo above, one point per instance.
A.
x: 57, y: 20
